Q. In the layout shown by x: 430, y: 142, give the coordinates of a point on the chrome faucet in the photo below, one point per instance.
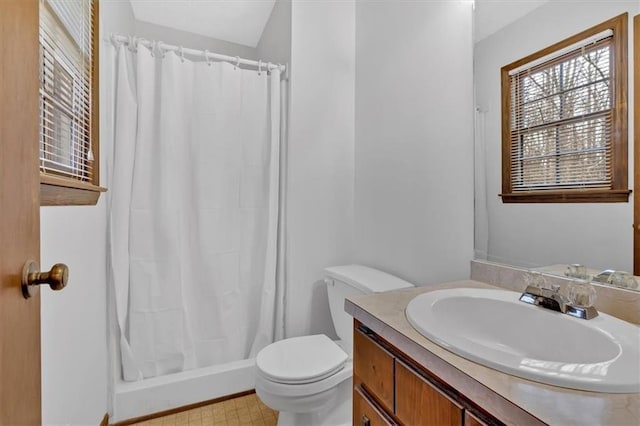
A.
x: 550, y: 298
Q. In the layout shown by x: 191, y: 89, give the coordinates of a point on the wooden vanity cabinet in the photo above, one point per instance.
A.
x: 365, y: 412
x: 389, y: 391
x: 471, y: 420
x: 373, y: 367
x: 418, y: 402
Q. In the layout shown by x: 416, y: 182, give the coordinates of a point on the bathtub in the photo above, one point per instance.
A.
x: 136, y: 399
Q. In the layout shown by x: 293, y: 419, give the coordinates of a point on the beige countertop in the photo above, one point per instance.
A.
x: 511, y: 399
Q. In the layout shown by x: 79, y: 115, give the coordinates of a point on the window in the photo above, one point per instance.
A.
x: 564, y: 120
x: 68, y: 100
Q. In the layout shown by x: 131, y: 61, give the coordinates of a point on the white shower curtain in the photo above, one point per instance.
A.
x: 193, y: 212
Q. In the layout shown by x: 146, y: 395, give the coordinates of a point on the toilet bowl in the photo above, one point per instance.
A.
x: 308, y: 379
x: 304, y: 378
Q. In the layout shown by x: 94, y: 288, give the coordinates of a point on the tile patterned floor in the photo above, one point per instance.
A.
x: 245, y: 410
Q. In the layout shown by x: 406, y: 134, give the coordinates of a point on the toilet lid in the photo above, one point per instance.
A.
x: 301, y: 359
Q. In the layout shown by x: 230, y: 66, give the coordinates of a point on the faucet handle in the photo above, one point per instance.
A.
x: 581, y: 293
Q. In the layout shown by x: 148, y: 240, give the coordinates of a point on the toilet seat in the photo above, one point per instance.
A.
x: 301, y: 360
x: 304, y: 389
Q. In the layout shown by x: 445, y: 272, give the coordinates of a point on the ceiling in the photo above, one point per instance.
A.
x: 236, y: 21
x: 243, y: 21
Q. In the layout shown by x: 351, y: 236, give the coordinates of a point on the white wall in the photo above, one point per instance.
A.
x: 414, y: 139
x: 74, y: 343
x: 320, y: 157
x: 598, y: 235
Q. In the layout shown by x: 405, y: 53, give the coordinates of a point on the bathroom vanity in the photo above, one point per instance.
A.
x: 390, y: 388
x: 401, y: 377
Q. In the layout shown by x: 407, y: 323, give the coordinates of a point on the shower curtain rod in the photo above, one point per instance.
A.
x: 204, y: 53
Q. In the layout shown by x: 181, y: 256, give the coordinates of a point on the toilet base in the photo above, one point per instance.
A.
x: 332, y: 407
x: 338, y: 413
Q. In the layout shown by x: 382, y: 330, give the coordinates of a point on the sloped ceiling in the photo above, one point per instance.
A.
x: 493, y: 15
x: 236, y: 21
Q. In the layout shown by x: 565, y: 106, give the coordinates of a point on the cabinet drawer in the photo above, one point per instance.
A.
x: 365, y: 413
x: 418, y: 402
x: 373, y: 366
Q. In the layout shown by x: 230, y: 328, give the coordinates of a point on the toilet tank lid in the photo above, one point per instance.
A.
x: 365, y: 279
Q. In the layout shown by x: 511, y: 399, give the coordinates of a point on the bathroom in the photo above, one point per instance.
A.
x: 372, y: 124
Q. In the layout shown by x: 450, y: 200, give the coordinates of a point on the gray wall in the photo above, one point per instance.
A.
x: 414, y: 139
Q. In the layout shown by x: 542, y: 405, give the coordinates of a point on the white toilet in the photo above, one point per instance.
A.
x: 308, y: 379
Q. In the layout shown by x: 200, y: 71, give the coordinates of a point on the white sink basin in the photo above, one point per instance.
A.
x: 493, y: 328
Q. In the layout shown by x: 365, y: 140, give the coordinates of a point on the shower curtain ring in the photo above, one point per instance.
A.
x: 260, y: 67
x: 160, y: 50
x: 206, y: 57
x: 131, y: 44
x: 237, y: 63
x: 181, y: 54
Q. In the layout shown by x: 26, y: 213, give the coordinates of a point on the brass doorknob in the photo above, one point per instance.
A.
x: 57, y: 278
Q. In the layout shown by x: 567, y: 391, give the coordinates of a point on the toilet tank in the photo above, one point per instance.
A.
x: 349, y: 280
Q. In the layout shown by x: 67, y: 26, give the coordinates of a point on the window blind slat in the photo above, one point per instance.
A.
x: 561, y: 120
x: 65, y: 94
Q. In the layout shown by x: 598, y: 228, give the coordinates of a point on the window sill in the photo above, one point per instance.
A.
x: 58, y: 191
x: 574, y: 196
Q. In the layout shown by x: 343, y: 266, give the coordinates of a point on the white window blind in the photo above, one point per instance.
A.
x: 65, y: 88
x: 561, y: 119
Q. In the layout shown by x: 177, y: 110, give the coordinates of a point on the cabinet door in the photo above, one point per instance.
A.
x: 418, y: 402
x: 365, y: 413
x: 373, y: 367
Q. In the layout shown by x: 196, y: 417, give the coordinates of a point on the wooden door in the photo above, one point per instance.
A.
x: 19, y: 212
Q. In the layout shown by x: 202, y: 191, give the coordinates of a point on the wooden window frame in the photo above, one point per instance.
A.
x: 62, y: 191
x: 619, y: 191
